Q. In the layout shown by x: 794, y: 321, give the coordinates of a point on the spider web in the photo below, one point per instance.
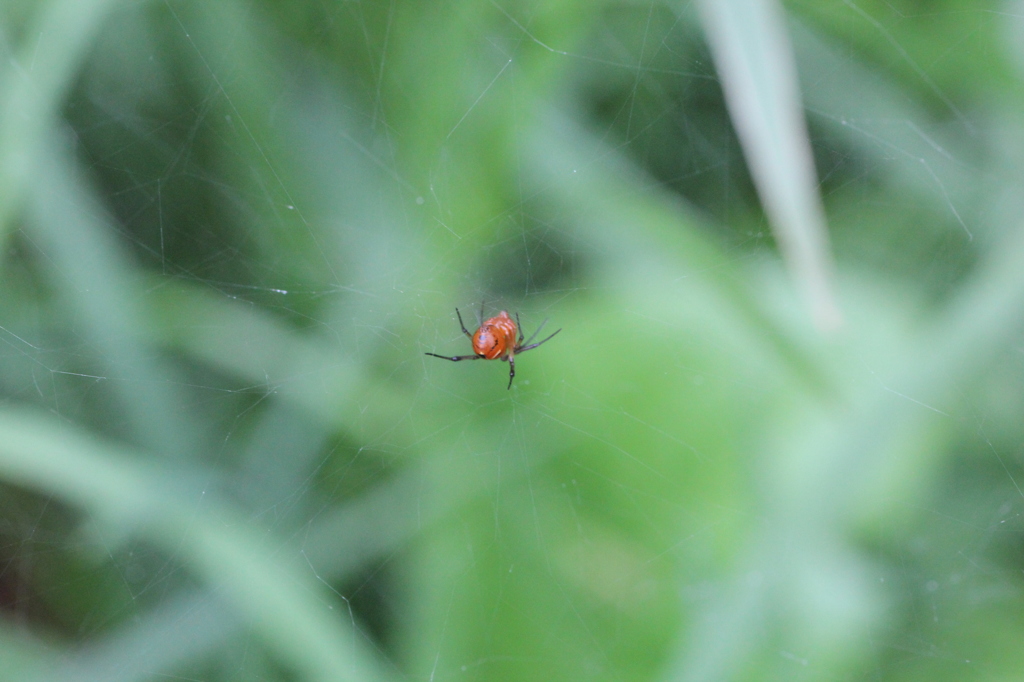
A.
x: 258, y: 220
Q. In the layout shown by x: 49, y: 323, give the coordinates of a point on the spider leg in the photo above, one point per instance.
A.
x: 520, y: 326
x: 534, y: 335
x: 511, y: 370
x: 534, y: 345
x: 455, y: 358
x: 464, y: 331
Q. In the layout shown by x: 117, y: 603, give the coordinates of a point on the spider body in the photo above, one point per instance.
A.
x: 498, y: 338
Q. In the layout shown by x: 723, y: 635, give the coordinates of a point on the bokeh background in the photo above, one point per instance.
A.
x: 232, y: 229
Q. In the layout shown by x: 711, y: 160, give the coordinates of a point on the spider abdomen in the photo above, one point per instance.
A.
x: 496, y: 337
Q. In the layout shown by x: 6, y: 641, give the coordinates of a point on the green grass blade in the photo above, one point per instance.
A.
x: 754, y: 60
x: 278, y: 597
x: 35, y: 83
x: 69, y: 226
x: 611, y: 196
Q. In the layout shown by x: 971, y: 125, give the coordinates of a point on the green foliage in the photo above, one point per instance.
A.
x: 232, y: 230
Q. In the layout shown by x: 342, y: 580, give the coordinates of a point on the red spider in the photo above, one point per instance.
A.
x: 496, y: 340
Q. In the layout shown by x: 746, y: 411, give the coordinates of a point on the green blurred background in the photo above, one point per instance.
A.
x: 232, y: 229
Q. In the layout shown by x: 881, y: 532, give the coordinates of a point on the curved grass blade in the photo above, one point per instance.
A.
x: 276, y: 596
